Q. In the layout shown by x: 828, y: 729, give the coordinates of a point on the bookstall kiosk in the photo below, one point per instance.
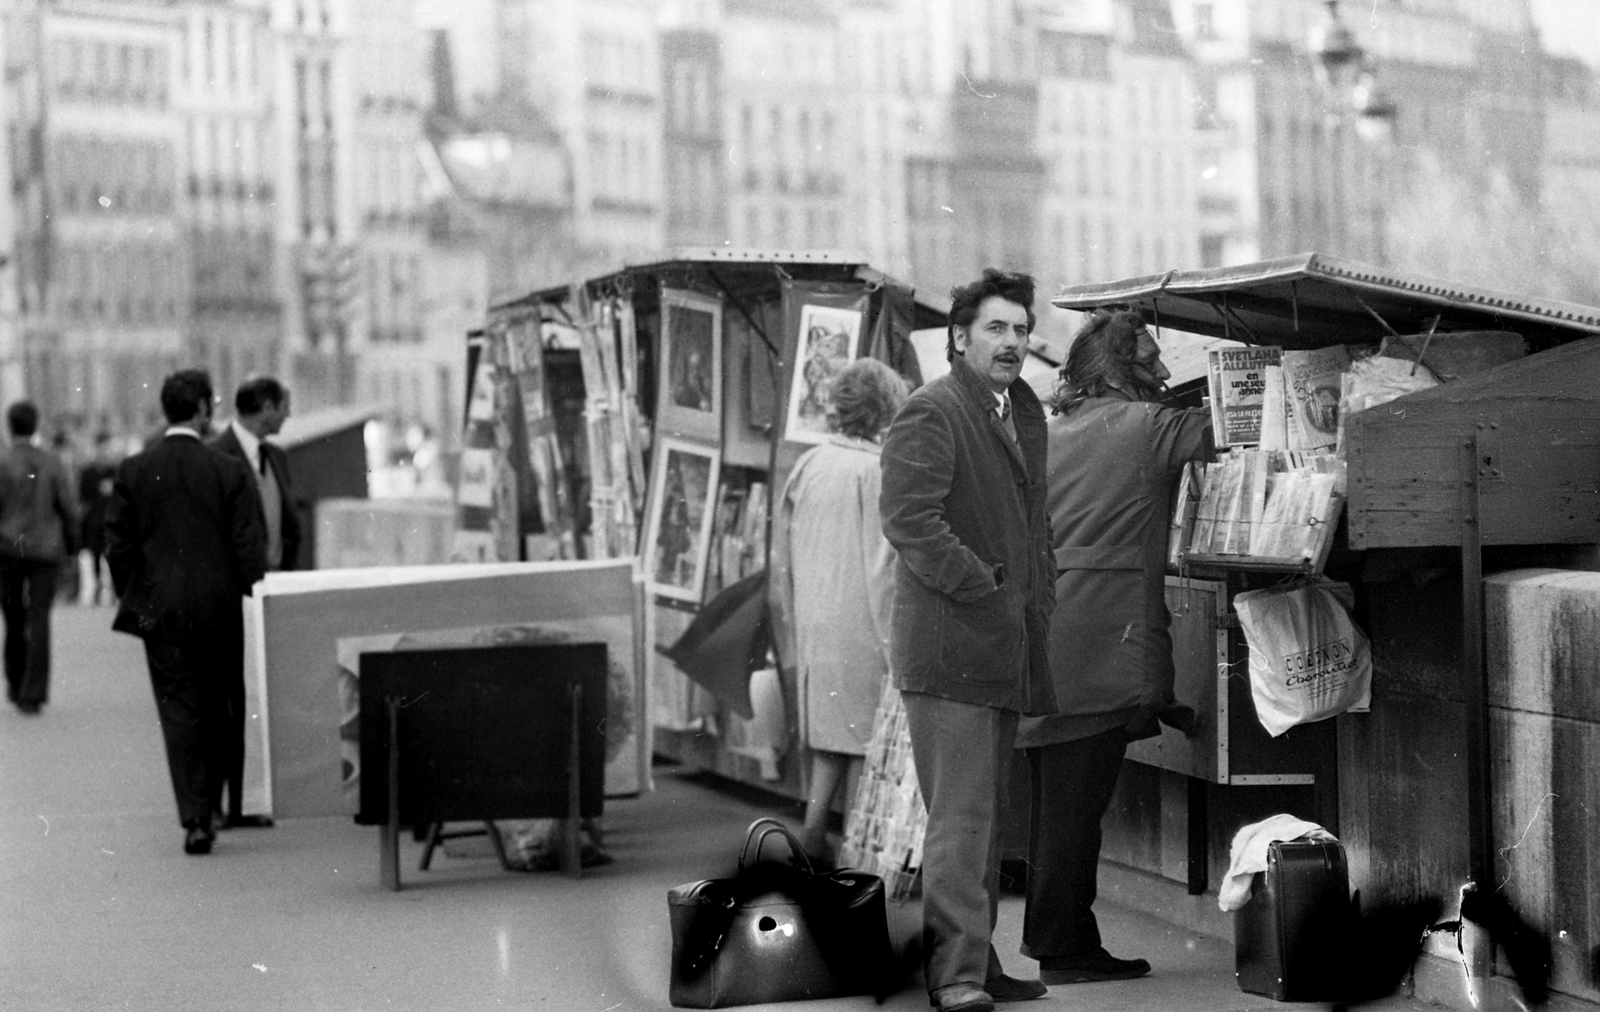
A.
x: 1496, y: 468
x: 652, y: 411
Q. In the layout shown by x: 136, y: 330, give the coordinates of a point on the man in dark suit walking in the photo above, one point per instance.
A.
x: 261, y: 406
x: 185, y: 543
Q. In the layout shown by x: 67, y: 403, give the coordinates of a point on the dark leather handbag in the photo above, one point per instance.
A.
x: 778, y: 932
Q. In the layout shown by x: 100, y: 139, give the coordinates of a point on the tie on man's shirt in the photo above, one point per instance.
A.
x: 1005, y: 416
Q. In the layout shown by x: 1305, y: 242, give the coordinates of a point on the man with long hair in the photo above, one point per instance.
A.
x: 963, y: 504
x: 1116, y: 455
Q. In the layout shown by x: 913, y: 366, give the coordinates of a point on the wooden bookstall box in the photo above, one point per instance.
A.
x: 1229, y: 746
x: 1533, y: 428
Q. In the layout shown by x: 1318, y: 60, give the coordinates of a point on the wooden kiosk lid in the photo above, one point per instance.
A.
x: 1310, y: 300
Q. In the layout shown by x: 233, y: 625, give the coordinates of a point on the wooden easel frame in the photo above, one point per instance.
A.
x: 389, y: 839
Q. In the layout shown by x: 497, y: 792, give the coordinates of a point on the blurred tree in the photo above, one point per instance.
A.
x: 1445, y: 225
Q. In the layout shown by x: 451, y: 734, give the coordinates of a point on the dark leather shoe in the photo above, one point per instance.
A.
x: 961, y: 997
x: 1097, y: 965
x: 247, y: 822
x: 1004, y: 987
x: 198, y: 840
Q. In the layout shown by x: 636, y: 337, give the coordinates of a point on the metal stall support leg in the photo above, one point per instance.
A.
x: 571, y: 852
x: 1480, y: 827
x: 389, y: 842
x: 1325, y: 773
x: 1199, y: 817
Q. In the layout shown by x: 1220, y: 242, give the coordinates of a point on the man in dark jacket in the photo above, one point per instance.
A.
x: 185, y: 544
x: 261, y: 406
x: 1115, y: 459
x: 963, y: 504
x: 38, y: 525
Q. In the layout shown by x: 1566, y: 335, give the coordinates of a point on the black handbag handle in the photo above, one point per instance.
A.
x: 757, y: 835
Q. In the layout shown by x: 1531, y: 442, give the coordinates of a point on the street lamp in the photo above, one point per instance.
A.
x: 1335, y: 47
x: 1348, y: 79
x: 1375, y: 110
x: 1349, y: 74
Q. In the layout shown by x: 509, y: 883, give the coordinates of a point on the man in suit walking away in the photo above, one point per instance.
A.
x: 185, y: 543
x: 38, y: 528
x: 261, y: 406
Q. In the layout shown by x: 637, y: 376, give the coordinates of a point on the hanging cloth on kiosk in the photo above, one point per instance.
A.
x: 727, y: 640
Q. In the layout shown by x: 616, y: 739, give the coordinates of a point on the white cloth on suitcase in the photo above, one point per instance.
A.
x: 1248, y: 854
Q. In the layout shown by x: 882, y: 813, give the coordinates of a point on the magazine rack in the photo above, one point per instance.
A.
x: 1503, y: 456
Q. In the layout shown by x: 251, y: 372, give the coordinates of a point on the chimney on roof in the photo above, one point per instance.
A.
x: 443, y: 70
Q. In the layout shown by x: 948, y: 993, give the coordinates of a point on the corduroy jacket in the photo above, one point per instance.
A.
x: 964, y: 506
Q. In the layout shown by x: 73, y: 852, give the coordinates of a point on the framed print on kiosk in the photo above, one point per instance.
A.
x: 683, y: 486
x: 828, y: 341
x: 689, y: 391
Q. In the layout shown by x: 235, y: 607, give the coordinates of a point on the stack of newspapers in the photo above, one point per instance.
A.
x: 1276, y: 507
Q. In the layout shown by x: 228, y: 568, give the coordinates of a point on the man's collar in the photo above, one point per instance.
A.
x: 247, y: 439
x: 182, y: 430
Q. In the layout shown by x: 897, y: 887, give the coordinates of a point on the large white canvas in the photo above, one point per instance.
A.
x: 295, y: 622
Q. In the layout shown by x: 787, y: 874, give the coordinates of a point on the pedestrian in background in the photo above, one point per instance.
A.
x: 38, y: 529
x: 94, y: 495
x: 963, y: 504
x: 185, y: 542
x: 1115, y: 459
x: 834, y: 575
x: 64, y: 445
x: 261, y: 406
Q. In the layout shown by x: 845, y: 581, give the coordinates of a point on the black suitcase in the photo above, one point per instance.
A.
x: 1288, y: 937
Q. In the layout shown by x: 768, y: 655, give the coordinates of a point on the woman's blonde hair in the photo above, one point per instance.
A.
x: 866, y: 396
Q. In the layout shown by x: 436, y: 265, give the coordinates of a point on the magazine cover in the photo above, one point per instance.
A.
x: 1311, y: 393
x: 1238, y: 384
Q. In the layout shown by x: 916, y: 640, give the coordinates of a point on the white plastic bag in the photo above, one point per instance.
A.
x: 1377, y: 380
x: 1308, y: 660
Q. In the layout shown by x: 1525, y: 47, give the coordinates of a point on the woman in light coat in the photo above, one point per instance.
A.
x: 833, y: 574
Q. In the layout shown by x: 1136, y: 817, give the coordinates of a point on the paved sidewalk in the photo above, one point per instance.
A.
x: 100, y: 909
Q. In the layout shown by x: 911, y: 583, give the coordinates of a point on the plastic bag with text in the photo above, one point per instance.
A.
x: 1308, y: 660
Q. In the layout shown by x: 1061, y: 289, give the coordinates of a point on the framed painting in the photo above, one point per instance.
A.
x: 689, y: 391
x: 683, y: 487
x: 828, y: 341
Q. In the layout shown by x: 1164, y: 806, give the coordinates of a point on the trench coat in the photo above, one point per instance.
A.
x: 964, y: 507
x: 1114, y: 466
x: 834, y: 576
